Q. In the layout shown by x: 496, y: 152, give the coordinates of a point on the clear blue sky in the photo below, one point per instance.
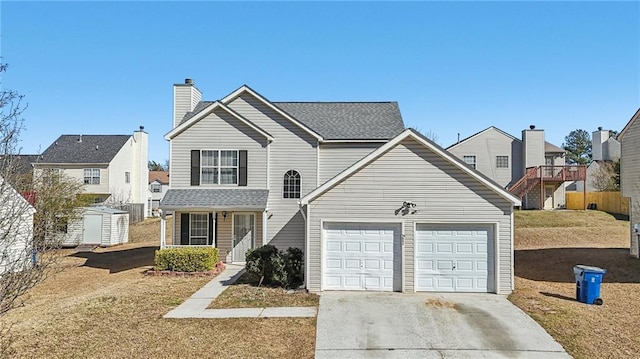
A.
x: 453, y: 67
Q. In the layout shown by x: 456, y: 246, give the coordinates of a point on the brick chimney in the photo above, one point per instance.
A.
x: 185, y: 98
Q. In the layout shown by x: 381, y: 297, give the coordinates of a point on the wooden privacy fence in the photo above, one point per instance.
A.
x: 610, y: 202
x: 136, y: 211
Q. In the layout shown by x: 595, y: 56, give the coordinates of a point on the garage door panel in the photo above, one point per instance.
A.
x: 360, y: 256
x: 459, y: 261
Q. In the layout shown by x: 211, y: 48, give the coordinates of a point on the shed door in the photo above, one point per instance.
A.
x: 92, y: 229
x: 454, y: 258
x: 360, y: 256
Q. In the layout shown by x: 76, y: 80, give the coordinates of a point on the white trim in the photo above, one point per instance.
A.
x: 633, y: 119
x: 205, y: 112
x: 496, y: 257
x: 318, y: 165
x: 268, y: 165
x: 264, y: 227
x: 512, y: 251
x: 244, y: 88
x: 393, y: 143
x: 306, y: 249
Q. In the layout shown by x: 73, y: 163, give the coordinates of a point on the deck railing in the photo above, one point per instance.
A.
x: 535, y: 175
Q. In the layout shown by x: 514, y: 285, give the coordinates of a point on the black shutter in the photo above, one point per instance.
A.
x: 210, y: 240
x: 242, y: 168
x: 184, y: 228
x: 195, y: 167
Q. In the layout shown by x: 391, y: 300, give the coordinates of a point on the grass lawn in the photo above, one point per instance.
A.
x: 547, y: 246
x: 102, y: 306
x: 245, y: 294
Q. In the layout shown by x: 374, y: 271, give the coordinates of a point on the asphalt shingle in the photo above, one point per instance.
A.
x: 84, y: 149
x: 215, y: 198
x: 348, y: 120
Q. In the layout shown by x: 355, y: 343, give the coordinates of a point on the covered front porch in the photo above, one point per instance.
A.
x: 231, y: 220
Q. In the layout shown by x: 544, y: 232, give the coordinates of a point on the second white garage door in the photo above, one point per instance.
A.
x: 362, y: 256
x: 454, y: 258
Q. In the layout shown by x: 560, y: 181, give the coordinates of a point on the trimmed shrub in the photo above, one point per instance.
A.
x: 186, y: 259
x: 273, y: 267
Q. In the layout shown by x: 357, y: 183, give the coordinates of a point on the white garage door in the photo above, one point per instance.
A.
x: 360, y: 256
x: 454, y: 258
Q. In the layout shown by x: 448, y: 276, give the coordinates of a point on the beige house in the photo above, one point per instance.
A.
x: 374, y: 206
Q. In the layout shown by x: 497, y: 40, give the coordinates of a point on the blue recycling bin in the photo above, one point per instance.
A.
x: 588, y: 280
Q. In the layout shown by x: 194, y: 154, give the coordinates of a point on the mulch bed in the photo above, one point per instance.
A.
x: 220, y: 267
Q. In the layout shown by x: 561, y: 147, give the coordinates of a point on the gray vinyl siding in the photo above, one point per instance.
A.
x: 336, y: 157
x: 486, y: 147
x: 218, y: 131
x: 630, y: 176
x: 533, y: 148
x: 292, y: 149
x: 410, y: 172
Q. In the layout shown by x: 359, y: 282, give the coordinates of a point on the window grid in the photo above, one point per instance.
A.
x: 91, y: 176
x: 156, y: 188
x: 219, y: 167
x: 291, y: 184
x: 470, y: 160
x: 198, y: 228
x: 502, y: 161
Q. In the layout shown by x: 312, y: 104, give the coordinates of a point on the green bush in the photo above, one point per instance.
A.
x: 279, y: 268
x: 186, y: 259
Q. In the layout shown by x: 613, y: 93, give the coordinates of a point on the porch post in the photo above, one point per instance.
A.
x: 213, y: 240
x: 163, y: 228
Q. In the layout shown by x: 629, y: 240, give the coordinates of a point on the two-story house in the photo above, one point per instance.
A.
x: 158, y: 186
x: 605, y: 149
x: 113, y: 168
x: 629, y: 139
x: 374, y: 206
x: 530, y: 168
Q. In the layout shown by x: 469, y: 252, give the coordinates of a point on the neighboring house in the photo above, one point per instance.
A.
x: 16, y: 230
x: 531, y: 168
x: 112, y: 167
x: 158, y: 186
x: 372, y: 205
x: 604, y: 149
x: 630, y: 175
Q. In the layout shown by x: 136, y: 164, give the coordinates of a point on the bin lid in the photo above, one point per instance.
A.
x: 589, y: 269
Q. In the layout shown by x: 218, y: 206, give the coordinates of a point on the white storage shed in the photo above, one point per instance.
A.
x: 101, y: 226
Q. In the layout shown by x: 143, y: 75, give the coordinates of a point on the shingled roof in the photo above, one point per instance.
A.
x: 348, y: 120
x: 84, y: 149
x: 219, y: 198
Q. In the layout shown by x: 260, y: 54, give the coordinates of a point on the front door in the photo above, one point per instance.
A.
x: 243, y: 235
x: 548, y: 197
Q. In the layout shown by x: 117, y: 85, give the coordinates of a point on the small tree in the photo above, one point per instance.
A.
x: 578, y: 147
x: 27, y: 248
x: 607, y: 177
x: 155, y: 166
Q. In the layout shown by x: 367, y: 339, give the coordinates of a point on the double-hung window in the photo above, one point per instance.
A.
x: 219, y: 167
x: 470, y: 160
x: 198, y: 228
x: 91, y: 176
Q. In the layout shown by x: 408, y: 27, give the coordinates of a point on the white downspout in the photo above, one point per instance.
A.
x: 306, y: 243
x: 163, y: 229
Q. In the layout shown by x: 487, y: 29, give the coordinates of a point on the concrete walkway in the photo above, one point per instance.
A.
x: 196, y: 305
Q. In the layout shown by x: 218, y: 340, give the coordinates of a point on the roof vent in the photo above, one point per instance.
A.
x: 188, y: 81
x: 80, y: 139
x: 533, y: 127
x: 600, y: 128
x: 141, y: 128
x: 96, y: 147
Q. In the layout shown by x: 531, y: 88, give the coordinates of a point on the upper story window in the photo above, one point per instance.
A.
x: 470, y: 160
x: 291, y: 184
x: 156, y: 188
x: 127, y: 177
x: 91, y: 176
x: 219, y: 167
x: 502, y: 161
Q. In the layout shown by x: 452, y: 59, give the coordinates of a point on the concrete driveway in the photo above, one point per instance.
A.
x: 400, y: 325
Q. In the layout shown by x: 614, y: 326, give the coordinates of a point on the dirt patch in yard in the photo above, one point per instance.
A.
x: 545, y: 287
x: 103, y: 306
